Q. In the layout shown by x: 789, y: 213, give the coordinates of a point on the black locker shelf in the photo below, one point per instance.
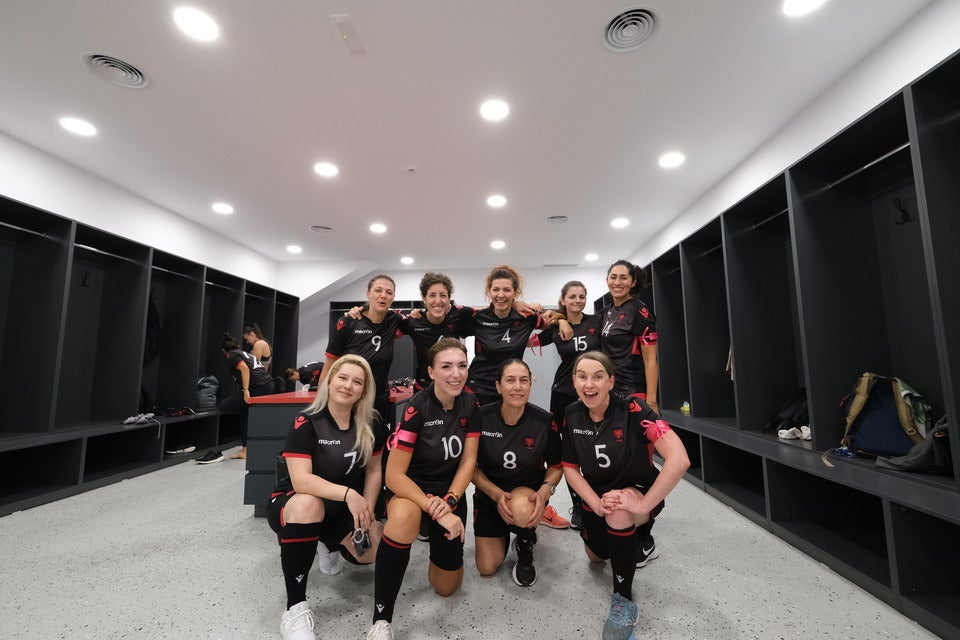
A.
x: 736, y: 477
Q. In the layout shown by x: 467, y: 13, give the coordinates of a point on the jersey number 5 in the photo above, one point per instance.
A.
x: 603, y: 460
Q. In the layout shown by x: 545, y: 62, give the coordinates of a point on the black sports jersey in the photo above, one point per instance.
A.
x: 496, y: 339
x: 615, y: 453
x: 258, y: 373
x: 318, y: 438
x: 310, y: 374
x: 370, y: 340
x: 625, y: 329
x: 517, y: 456
x: 586, y: 337
x: 436, y: 437
x: 425, y: 334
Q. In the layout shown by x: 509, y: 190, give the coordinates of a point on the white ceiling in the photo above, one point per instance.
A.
x: 245, y: 118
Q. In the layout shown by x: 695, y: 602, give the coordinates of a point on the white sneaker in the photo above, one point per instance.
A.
x: 330, y: 564
x: 381, y: 630
x: 297, y: 623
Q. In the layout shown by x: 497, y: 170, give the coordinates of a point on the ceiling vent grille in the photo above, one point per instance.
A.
x: 631, y: 30
x: 115, y: 71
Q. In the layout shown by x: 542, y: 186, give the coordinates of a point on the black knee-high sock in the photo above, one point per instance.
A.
x: 298, y: 546
x: 524, y: 533
x: 392, y: 560
x: 622, y: 544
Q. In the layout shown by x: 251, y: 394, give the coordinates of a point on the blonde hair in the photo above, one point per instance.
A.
x: 362, y: 413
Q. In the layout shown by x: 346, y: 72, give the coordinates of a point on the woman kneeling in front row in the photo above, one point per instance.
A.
x: 430, y: 465
x: 518, y: 469
x: 606, y: 461
x: 333, y: 459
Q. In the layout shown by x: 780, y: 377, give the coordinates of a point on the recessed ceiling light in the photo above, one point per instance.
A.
x: 498, y: 244
x: 672, y: 159
x: 496, y: 201
x: 406, y: 260
x: 78, y: 126
x: 376, y: 227
x: 196, y: 24
x: 619, y: 223
x: 326, y: 169
x: 591, y: 257
x: 294, y: 248
x: 494, y: 110
x: 222, y: 207
x: 797, y: 8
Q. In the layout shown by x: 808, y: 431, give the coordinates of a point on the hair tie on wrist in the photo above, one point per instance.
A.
x: 345, y: 494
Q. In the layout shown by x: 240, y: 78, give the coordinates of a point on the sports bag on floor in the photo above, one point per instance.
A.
x: 884, y: 417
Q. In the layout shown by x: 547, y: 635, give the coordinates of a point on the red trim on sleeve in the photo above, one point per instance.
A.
x: 305, y: 456
x: 569, y: 465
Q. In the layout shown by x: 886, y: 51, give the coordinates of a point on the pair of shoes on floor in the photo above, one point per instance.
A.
x: 646, y: 551
x: 210, y: 457
x: 795, y: 433
x: 181, y: 449
x: 554, y: 520
x: 140, y: 418
x: 297, y: 623
x: 329, y: 563
x: 621, y: 620
x: 381, y: 630
x: 524, y: 573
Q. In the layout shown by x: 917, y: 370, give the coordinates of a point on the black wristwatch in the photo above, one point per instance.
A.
x: 451, y: 500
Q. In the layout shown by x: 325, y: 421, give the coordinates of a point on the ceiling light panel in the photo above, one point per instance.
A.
x: 78, y: 126
x: 494, y: 110
x: 196, y: 24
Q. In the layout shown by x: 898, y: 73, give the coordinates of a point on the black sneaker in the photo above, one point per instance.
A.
x: 524, y: 573
x: 576, y: 513
x: 212, y: 456
x: 646, y: 551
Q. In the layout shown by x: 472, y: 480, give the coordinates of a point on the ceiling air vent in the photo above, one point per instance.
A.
x: 116, y: 71
x: 321, y: 228
x: 631, y: 29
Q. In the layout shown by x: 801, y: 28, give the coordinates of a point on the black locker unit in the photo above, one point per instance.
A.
x: 91, y: 326
x: 846, y: 262
x: 286, y: 330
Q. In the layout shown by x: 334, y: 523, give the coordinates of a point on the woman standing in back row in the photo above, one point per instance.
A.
x: 629, y: 334
x: 586, y: 337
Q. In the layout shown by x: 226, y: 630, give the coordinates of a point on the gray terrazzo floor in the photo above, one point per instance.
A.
x: 174, y: 554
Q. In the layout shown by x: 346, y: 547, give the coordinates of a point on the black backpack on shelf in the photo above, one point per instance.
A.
x: 930, y: 455
x: 793, y: 413
x: 884, y: 417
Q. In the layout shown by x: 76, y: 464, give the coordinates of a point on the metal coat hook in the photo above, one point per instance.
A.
x: 904, y: 214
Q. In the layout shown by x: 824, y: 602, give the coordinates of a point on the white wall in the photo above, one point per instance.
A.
x: 932, y: 36
x: 43, y: 181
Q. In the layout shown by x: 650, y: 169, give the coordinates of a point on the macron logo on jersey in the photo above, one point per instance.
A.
x: 409, y: 413
x: 581, y: 432
x: 341, y: 324
x: 491, y: 434
x: 645, y: 312
x: 299, y: 422
x: 433, y: 423
x: 328, y: 442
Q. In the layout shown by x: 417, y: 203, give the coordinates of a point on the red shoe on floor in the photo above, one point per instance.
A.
x: 554, y: 520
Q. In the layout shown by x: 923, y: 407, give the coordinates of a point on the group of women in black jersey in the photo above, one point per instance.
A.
x: 476, y: 425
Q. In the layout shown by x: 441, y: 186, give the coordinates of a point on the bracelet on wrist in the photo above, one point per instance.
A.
x: 345, y: 493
